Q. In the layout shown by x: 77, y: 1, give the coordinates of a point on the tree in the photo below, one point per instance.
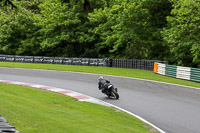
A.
x: 7, y: 3
x: 64, y: 29
x: 18, y: 32
x: 51, y: 28
x: 131, y: 29
x: 182, y: 34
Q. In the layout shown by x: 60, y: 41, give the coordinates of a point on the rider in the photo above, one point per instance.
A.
x: 103, y: 84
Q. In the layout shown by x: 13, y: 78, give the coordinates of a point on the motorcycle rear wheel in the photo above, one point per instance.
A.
x: 114, y: 94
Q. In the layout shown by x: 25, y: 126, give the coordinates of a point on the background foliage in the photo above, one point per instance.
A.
x: 148, y: 29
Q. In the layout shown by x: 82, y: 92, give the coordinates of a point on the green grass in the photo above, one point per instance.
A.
x: 36, y: 111
x: 134, y: 73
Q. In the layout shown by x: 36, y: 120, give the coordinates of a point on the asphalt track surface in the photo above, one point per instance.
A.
x: 174, y: 109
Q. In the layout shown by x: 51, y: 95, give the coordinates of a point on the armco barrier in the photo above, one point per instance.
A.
x: 170, y: 70
x: 55, y: 60
x: 183, y: 72
x: 119, y: 63
x: 195, y: 74
x: 161, y: 68
x: 180, y: 72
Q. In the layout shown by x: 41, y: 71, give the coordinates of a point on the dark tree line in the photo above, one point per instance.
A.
x: 149, y: 29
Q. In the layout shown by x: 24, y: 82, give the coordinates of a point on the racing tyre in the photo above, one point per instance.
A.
x: 115, y: 94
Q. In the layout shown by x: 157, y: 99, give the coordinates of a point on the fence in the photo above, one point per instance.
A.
x: 119, y: 63
x: 54, y: 60
x: 134, y: 64
x: 180, y: 72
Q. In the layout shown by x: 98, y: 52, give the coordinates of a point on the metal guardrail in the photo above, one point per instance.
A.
x: 119, y: 63
x: 170, y: 70
x: 54, y: 60
x: 180, y: 72
x: 5, y: 127
x: 195, y: 74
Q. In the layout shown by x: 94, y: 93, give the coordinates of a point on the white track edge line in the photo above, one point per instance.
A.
x: 97, y: 101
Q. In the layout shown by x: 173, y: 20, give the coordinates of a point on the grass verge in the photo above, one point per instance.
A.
x: 37, y: 111
x: 134, y: 73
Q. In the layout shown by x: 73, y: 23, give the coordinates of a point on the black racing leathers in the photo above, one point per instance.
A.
x: 103, y: 84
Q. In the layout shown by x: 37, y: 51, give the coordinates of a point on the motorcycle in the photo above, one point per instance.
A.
x: 111, y: 92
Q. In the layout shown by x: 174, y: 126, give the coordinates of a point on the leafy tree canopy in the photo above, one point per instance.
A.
x: 182, y: 35
x: 146, y: 29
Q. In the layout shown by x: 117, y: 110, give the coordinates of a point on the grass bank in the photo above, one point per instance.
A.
x: 134, y: 73
x: 37, y: 111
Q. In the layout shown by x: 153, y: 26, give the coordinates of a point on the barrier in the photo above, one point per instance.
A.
x: 55, y: 60
x: 195, y: 74
x: 119, y: 63
x: 180, y: 72
x: 161, y: 68
x: 134, y: 64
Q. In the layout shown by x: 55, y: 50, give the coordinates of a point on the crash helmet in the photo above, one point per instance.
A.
x: 101, y: 77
